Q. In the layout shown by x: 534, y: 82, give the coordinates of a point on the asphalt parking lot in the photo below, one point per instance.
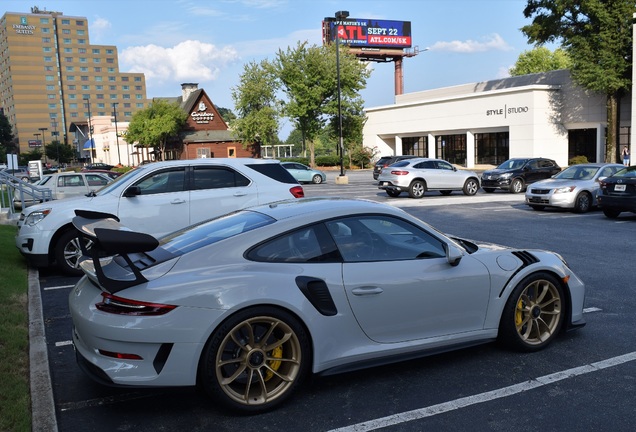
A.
x: 586, y: 380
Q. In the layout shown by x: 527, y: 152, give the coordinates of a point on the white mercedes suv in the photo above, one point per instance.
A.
x: 157, y: 199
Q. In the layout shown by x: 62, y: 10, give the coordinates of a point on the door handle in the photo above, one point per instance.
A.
x: 177, y: 201
x: 240, y: 194
x: 362, y: 291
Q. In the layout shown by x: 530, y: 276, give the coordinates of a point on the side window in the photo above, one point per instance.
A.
x: 608, y: 171
x: 170, y: 180
x: 306, y: 245
x: 546, y: 163
x: 533, y: 164
x: 425, y: 165
x: 217, y: 178
x: 70, y: 181
x: 382, y: 238
x: 444, y: 165
x: 94, y: 180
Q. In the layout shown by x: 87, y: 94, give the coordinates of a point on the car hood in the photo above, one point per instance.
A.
x: 497, y: 171
x: 555, y: 183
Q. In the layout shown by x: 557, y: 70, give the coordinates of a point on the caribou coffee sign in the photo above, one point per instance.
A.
x: 24, y: 27
x: 201, y: 115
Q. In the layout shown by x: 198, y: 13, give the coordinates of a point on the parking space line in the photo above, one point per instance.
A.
x: 432, y: 410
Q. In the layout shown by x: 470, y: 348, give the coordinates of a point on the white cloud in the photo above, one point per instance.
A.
x: 100, y: 24
x: 187, y: 61
x: 489, y: 43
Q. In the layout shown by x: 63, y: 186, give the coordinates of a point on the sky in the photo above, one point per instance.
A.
x: 209, y: 41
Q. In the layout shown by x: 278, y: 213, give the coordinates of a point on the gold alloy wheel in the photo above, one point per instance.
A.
x: 538, y: 312
x: 258, y: 361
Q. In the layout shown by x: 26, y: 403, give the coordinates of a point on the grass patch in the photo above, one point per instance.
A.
x: 15, y: 400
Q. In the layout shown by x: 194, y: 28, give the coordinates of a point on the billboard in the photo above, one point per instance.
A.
x: 369, y: 33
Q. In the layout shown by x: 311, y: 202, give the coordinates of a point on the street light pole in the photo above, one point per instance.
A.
x: 90, y: 130
x: 43, y: 143
x: 340, y: 16
x: 116, y: 132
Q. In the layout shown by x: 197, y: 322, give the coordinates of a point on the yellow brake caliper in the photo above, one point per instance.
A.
x: 519, y: 313
x: 274, y: 364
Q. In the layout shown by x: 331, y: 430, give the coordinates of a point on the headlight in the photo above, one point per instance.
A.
x: 505, y: 176
x: 35, y: 217
x: 566, y: 189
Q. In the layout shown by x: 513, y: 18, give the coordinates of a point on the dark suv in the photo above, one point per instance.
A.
x: 385, y: 161
x: 515, y: 174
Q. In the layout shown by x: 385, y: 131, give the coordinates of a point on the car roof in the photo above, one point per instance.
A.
x: 234, y: 162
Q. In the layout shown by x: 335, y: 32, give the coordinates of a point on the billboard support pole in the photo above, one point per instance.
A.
x: 399, y: 77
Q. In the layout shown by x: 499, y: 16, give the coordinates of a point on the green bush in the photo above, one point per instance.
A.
x: 576, y: 160
x: 328, y: 160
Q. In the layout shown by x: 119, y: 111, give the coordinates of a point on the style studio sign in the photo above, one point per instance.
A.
x: 507, y: 111
x: 201, y: 115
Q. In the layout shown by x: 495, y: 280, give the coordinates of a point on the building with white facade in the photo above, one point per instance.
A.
x: 485, y: 123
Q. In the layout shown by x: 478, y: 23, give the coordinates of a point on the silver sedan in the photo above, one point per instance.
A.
x: 575, y: 187
x: 249, y: 304
x: 417, y: 176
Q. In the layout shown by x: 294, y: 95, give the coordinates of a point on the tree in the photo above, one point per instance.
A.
x: 597, y: 35
x: 6, y: 137
x: 540, y: 59
x: 156, y: 125
x: 226, y: 114
x: 62, y: 153
x: 255, y: 100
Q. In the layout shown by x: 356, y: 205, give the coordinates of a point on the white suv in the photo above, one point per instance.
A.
x: 157, y: 199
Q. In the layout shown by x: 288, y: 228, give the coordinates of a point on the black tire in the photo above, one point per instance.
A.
x: 489, y: 190
x: 583, y: 202
x: 251, y: 375
x: 393, y: 193
x: 533, y: 314
x: 516, y: 186
x: 446, y: 192
x: 471, y: 187
x: 417, y: 189
x: 611, y: 213
x: 537, y: 207
x: 68, y: 252
x: 317, y: 179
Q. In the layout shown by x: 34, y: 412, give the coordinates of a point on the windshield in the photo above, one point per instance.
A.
x: 626, y: 173
x: 212, y: 231
x: 513, y: 164
x: 109, y: 187
x: 577, y: 172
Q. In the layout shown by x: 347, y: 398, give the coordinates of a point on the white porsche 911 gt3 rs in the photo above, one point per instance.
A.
x: 246, y: 305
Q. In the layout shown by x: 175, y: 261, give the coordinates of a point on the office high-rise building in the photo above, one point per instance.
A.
x: 52, y: 79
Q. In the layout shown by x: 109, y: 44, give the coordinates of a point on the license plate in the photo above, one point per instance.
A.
x: 619, y: 188
x: 385, y: 183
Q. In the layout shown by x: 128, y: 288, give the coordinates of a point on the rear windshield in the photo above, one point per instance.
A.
x: 274, y: 171
x: 212, y: 231
x: 401, y: 163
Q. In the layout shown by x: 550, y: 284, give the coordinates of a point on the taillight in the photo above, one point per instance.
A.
x: 121, y: 306
x: 398, y: 172
x: 297, y: 192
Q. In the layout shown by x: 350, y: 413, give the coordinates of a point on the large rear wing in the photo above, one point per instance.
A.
x: 109, y: 237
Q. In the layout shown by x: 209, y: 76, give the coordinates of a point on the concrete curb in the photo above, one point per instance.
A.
x: 42, y: 404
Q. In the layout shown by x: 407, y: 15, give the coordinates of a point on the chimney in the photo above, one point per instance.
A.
x: 187, y: 89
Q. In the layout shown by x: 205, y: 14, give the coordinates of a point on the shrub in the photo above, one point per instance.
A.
x: 576, y: 160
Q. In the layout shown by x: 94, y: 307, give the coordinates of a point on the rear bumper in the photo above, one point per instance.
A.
x: 617, y: 202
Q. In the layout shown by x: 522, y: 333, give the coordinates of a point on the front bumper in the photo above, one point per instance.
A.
x: 562, y: 200
x: 496, y: 184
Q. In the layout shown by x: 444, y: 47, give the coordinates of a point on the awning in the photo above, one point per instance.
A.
x: 89, y: 144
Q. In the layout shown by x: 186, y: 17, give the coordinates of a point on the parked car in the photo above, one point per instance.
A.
x: 514, y: 175
x: 19, y: 173
x: 618, y: 193
x: 304, y: 174
x: 61, y: 185
x: 418, y: 175
x: 575, y: 187
x: 249, y: 304
x: 157, y: 199
x: 385, y: 161
x: 112, y: 174
x: 98, y: 166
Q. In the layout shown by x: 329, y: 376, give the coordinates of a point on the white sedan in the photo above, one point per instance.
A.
x: 576, y: 187
x: 248, y: 304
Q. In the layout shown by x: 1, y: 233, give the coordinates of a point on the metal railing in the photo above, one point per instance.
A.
x: 16, y: 194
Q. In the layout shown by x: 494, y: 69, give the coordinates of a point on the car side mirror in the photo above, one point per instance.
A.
x: 453, y: 254
x: 132, y: 191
